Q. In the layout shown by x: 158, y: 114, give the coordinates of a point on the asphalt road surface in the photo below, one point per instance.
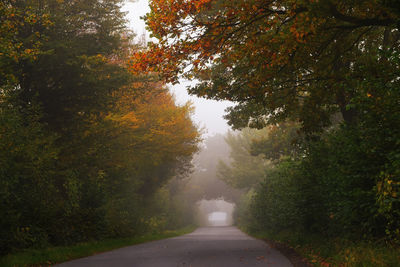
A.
x: 205, y: 247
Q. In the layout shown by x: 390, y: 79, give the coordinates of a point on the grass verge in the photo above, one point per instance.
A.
x: 52, y: 255
x: 319, y: 251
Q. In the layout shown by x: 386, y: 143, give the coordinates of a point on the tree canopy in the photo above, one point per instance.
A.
x: 275, y: 59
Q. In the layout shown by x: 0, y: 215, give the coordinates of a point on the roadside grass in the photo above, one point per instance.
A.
x: 53, y: 255
x: 325, y: 252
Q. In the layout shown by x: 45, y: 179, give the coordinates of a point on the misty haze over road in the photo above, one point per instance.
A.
x: 205, y: 247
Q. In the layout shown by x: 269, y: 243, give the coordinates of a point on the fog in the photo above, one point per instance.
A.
x: 215, y: 212
x: 213, y: 200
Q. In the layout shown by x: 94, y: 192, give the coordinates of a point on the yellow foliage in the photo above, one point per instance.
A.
x: 153, y: 125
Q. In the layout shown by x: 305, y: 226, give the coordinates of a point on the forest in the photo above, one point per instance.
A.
x: 93, y: 145
x: 87, y: 148
x: 317, y: 96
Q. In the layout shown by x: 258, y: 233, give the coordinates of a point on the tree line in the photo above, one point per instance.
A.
x: 87, y: 148
x: 321, y: 78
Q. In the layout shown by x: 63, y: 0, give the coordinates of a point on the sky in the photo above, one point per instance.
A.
x: 208, y: 113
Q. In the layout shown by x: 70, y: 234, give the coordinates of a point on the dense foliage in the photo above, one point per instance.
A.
x: 323, y: 76
x: 86, y: 148
x: 341, y: 183
x: 242, y: 171
x: 293, y: 59
x: 346, y: 181
x: 91, y: 148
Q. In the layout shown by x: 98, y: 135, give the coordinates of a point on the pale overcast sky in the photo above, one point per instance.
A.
x: 208, y: 113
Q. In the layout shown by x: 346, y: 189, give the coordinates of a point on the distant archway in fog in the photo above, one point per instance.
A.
x: 215, y: 212
x: 218, y: 218
x: 210, y: 193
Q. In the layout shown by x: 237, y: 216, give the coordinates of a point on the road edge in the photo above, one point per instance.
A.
x: 56, y: 255
x: 295, y: 258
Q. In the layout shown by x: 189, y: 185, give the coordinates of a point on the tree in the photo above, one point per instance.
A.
x: 146, y: 141
x: 279, y: 142
x: 243, y: 170
x: 74, y: 74
x: 151, y: 122
x: 14, y: 47
x: 28, y: 193
x: 276, y: 59
x: 83, y: 141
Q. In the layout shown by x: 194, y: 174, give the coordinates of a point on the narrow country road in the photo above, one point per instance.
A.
x: 205, y: 247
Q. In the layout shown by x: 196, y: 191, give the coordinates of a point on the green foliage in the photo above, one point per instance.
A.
x: 181, y: 205
x: 279, y: 142
x: 243, y: 170
x: 278, y: 201
x: 380, y: 132
x: 335, y: 189
x: 243, y: 216
x: 344, y: 181
x: 28, y: 191
x: 86, y: 147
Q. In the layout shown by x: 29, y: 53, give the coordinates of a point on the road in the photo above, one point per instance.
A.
x: 205, y: 247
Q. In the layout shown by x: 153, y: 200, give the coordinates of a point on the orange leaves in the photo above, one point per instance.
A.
x: 125, y: 120
x: 198, y: 4
x: 143, y: 62
x: 157, y: 59
x: 148, y: 118
x: 13, y: 21
x: 140, y: 62
x: 195, y: 33
x: 169, y: 21
x: 169, y: 13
